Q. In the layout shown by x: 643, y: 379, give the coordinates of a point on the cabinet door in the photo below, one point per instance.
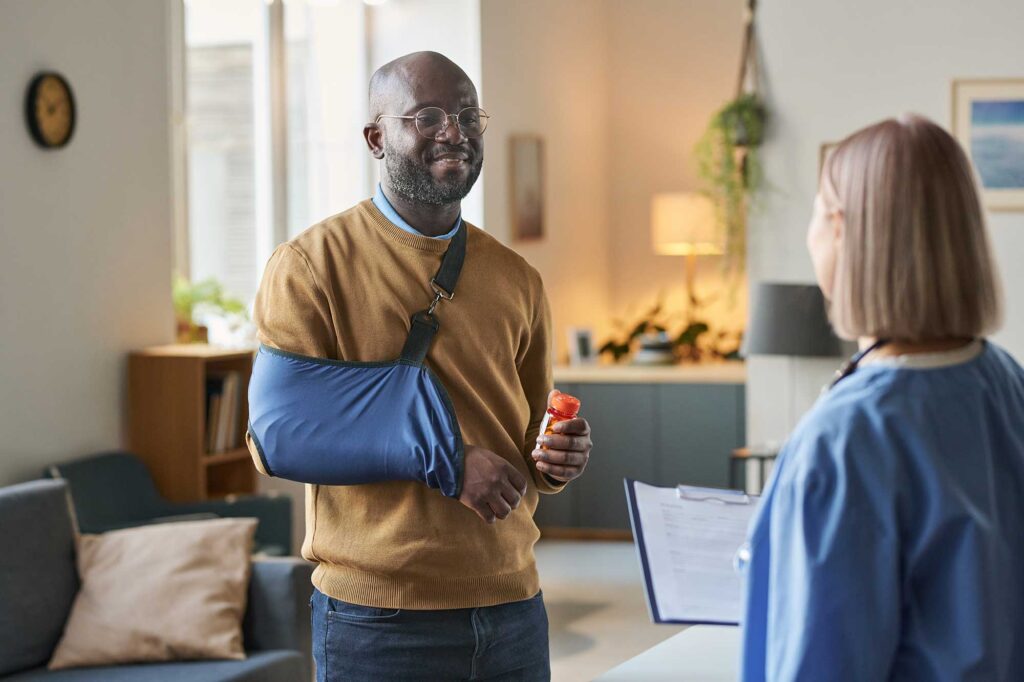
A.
x: 699, y: 426
x: 622, y: 420
x: 559, y: 511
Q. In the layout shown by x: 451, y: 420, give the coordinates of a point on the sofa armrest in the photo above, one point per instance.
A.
x: 274, y: 532
x: 278, y: 615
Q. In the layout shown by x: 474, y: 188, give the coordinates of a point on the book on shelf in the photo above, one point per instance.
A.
x: 214, y: 390
x: 224, y: 412
x: 229, y: 409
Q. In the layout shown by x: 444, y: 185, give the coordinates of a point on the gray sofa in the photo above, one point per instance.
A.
x: 38, y: 582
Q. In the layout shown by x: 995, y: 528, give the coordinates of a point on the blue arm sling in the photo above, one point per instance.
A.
x: 334, y: 422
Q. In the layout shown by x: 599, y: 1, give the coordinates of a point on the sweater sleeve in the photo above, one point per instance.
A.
x: 291, y: 313
x: 535, y: 377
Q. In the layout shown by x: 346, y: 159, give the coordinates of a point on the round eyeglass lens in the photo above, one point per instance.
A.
x: 431, y: 121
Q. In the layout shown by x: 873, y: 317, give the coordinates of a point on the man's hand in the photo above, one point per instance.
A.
x: 565, y: 453
x: 491, y: 486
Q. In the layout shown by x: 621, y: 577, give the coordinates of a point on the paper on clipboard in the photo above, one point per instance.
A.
x: 687, y: 539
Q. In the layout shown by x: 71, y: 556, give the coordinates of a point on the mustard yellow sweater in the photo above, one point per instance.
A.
x: 345, y: 289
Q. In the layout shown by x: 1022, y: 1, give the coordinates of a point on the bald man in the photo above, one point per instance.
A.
x: 410, y: 584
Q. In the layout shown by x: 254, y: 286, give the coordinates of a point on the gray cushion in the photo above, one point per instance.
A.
x: 265, y: 666
x: 38, y: 579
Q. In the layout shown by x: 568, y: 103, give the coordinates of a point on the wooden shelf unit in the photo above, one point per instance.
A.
x: 167, y: 421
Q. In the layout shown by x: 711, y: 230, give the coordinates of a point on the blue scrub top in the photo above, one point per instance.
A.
x: 889, y: 544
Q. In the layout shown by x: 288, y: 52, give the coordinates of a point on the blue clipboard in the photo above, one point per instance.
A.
x: 719, y: 495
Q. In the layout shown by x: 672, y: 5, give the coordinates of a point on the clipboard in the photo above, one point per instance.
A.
x: 687, y: 539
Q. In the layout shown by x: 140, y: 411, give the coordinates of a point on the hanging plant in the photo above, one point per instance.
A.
x: 728, y: 162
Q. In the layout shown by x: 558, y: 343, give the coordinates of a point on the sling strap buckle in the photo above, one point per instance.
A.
x: 439, y: 290
x: 433, y: 304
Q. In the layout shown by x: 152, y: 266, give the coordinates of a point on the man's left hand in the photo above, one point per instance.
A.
x: 565, y: 453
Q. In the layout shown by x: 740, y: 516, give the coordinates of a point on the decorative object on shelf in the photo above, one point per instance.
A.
x: 988, y: 120
x: 50, y: 110
x: 526, y: 186
x: 192, y: 300
x: 727, y: 154
x: 581, y: 346
x: 656, y: 348
x: 693, y: 343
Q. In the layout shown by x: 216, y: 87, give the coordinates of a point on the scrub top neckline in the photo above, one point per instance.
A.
x: 949, y: 358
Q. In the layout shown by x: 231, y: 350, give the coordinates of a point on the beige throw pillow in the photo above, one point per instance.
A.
x: 173, y: 591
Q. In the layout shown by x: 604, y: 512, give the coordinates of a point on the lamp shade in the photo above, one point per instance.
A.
x: 790, y: 319
x: 683, y: 224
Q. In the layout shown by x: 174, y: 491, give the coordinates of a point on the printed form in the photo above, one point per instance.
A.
x: 688, y: 539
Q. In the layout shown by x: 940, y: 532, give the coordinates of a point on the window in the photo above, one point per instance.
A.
x: 219, y: 76
x: 274, y: 106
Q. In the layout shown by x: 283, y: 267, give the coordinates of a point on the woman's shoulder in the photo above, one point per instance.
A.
x: 852, y: 425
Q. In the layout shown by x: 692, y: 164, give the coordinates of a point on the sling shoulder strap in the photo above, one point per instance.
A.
x: 425, y: 323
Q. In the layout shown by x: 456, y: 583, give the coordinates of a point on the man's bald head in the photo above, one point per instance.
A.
x: 432, y: 170
x: 396, y: 86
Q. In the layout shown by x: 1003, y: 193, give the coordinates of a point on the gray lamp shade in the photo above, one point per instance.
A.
x: 790, y: 319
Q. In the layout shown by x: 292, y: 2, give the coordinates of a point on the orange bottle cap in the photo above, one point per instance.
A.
x: 566, y: 404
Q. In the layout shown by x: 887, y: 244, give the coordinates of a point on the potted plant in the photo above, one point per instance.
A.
x: 207, y: 295
x: 728, y: 162
x: 729, y: 166
x: 657, y: 345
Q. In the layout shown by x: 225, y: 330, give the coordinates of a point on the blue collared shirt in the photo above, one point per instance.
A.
x: 889, y: 542
x: 385, y: 207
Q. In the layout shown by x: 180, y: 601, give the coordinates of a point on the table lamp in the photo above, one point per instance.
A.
x: 791, y: 320
x: 685, y: 224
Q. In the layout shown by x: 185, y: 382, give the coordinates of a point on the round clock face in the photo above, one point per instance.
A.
x: 50, y: 109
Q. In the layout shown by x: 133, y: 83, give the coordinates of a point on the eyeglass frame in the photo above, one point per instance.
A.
x: 447, y: 121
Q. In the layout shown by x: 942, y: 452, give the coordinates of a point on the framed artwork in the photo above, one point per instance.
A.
x: 988, y: 120
x: 526, y: 190
x: 581, y: 346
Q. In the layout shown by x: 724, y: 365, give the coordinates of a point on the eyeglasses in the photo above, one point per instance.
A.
x: 433, y: 121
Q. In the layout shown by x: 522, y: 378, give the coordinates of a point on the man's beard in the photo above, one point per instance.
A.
x: 415, y: 182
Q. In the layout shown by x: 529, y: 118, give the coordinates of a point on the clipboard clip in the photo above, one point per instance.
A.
x: 713, y: 495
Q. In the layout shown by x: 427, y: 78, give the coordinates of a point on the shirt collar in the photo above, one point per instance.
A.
x: 385, y: 207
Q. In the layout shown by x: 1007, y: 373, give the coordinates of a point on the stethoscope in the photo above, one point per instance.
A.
x: 851, y: 365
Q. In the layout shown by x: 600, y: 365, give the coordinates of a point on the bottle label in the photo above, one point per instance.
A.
x: 544, y: 423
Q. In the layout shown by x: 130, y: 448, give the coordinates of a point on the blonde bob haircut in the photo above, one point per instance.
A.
x: 914, y: 261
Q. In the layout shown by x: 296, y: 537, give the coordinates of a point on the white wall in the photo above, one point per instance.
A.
x: 545, y: 68
x: 832, y: 68
x: 86, y: 231
x: 621, y: 91
x: 673, y: 64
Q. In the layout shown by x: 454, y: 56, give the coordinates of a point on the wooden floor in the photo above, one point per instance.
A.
x: 595, y: 601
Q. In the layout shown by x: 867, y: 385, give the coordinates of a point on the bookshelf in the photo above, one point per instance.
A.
x: 168, y: 410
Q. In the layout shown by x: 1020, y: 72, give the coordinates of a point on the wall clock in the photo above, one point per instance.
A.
x: 50, y: 110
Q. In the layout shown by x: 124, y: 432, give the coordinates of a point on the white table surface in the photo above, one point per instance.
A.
x: 700, y: 653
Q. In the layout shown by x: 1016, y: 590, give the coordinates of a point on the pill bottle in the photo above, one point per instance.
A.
x: 562, y: 407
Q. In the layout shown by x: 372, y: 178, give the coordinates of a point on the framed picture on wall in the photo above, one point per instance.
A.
x: 526, y: 190
x: 988, y: 120
x: 581, y: 346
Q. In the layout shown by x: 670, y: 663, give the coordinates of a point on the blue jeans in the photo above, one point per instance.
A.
x: 506, y: 643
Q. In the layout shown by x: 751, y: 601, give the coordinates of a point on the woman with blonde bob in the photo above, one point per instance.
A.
x: 889, y: 544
